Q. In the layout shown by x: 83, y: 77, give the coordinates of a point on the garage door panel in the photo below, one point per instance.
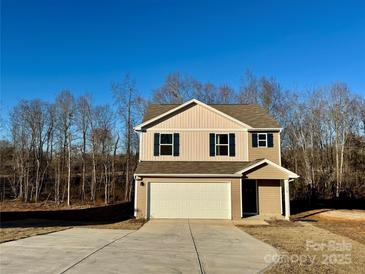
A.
x: 190, y: 200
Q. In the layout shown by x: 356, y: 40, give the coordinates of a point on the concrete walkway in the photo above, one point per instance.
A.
x: 160, y: 246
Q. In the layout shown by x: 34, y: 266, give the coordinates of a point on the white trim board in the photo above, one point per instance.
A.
x: 265, y: 129
x: 135, y: 197
x: 188, y: 175
x: 197, y: 129
x: 241, y: 207
x: 172, y: 144
x: 258, y: 139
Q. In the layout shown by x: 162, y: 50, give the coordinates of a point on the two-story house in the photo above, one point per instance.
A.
x: 210, y: 162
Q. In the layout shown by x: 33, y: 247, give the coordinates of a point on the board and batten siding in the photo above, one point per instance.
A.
x: 270, y: 153
x: 194, y: 125
x: 196, y: 117
x: 267, y: 172
x: 194, y: 146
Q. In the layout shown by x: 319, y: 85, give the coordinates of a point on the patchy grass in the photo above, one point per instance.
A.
x: 352, y: 228
x: 131, y: 224
x: 15, y: 230
x: 295, y: 242
x: 16, y: 205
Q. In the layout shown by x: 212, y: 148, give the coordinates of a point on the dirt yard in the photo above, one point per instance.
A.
x: 315, y: 243
x: 10, y: 231
x: 348, y: 223
x: 50, y: 205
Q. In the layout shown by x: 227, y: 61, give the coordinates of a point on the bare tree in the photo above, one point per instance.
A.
x: 20, y: 135
x: 83, y: 124
x: 127, y: 101
x: 226, y: 94
x: 175, y: 90
x: 342, y: 113
x: 104, y: 138
x: 115, y: 148
x: 362, y: 113
x: 35, y: 121
x: 249, y: 90
x: 206, y: 93
x: 66, y: 109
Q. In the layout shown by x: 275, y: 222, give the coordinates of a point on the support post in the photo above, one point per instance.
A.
x: 287, y: 199
x: 136, y: 182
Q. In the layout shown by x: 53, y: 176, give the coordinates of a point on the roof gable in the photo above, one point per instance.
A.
x: 253, y: 116
x: 205, y: 113
x: 196, y: 116
x: 262, y: 166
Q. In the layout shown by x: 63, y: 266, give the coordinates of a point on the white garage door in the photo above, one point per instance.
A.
x: 190, y: 200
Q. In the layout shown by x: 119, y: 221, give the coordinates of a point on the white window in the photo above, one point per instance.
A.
x: 166, y: 144
x: 221, y: 145
x: 262, y: 139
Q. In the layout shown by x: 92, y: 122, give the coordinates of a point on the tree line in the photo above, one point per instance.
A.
x: 74, y: 150
x: 70, y: 149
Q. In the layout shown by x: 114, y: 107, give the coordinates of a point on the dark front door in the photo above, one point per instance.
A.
x: 249, y: 197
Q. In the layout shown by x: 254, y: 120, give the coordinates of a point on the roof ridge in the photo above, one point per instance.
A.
x: 253, y: 115
x: 208, y: 161
x: 214, y: 104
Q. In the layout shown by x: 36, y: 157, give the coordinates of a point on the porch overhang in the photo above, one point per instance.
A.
x: 257, y: 169
x: 266, y: 169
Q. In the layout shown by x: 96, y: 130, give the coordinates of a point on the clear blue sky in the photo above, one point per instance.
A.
x: 50, y: 45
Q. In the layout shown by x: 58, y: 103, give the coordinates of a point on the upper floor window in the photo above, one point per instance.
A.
x: 262, y: 139
x: 166, y: 144
x: 221, y: 144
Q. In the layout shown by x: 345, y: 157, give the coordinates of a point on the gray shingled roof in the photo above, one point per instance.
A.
x: 191, y: 167
x: 250, y: 114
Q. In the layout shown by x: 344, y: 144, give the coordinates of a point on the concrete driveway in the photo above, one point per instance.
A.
x: 160, y: 246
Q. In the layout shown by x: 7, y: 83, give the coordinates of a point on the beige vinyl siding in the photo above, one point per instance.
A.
x: 270, y: 153
x: 267, y: 172
x: 269, y: 197
x: 235, y: 192
x: 197, y: 117
x: 141, y: 200
x: 236, y: 198
x: 194, y: 146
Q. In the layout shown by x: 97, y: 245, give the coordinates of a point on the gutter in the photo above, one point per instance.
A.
x: 189, y: 175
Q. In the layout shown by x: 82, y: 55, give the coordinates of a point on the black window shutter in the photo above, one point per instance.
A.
x: 156, y: 144
x: 212, y: 144
x: 254, y: 139
x: 232, y: 145
x: 176, y: 144
x: 270, y: 140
